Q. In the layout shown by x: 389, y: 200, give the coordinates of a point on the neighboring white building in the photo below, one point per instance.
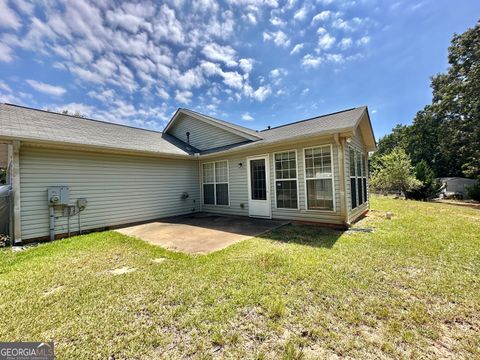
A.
x: 311, y: 170
x: 454, y: 186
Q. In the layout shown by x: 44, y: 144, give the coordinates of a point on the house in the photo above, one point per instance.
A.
x: 456, y: 187
x: 310, y: 170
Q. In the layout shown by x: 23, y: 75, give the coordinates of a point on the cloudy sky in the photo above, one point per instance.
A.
x: 253, y: 62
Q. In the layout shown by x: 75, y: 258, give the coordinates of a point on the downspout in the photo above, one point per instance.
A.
x: 17, y: 225
x: 200, y: 180
x: 340, y: 142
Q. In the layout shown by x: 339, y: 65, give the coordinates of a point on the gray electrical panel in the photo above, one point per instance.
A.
x: 58, y: 195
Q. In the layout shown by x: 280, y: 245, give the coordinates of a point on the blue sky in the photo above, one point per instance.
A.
x: 252, y: 62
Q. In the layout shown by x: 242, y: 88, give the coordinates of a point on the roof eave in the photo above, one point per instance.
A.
x: 255, y: 145
x: 109, y: 149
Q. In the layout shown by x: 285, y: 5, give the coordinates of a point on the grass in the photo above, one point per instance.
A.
x: 409, y: 289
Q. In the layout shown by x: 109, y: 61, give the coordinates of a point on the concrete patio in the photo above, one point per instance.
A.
x: 200, y: 233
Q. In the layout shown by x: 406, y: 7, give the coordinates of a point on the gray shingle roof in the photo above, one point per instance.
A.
x: 26, y: 123
x: 31, y: 124
x: 342, y: 120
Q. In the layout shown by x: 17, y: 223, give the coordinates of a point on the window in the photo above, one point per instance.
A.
x: 286, y: 180
x: 358, y: 178
x: 215, y: 183
x: 319, y: 178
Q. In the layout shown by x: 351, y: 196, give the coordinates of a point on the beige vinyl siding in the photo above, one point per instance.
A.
x: 120, y: 189
x: 239, y: 185
x: 358, y: 144
x: 203, y: 136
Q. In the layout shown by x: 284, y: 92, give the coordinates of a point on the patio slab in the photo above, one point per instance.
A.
x: 200, y: 233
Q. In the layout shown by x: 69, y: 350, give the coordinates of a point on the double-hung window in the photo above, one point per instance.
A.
x: 358, y: 178
x: 215, y: 183
x: 319, y: 178
x: 286, y: 180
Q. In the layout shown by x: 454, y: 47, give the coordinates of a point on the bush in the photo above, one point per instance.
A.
x: 474, y: 191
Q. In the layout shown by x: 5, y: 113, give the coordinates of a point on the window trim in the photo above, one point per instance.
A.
x: 332, y: 178
x: 275, y: 180
x: 215, y: 183
x: 363, y: 176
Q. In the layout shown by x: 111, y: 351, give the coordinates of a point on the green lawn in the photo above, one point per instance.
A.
x: 409, y: 289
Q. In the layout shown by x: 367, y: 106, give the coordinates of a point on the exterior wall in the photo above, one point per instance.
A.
x: 203, y: 136
x: 238, y: 186
x: 358, y: 144
x: 120, y: 189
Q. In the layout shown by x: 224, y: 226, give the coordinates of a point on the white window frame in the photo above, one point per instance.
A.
x: 321, y: 178
x: 215, y: 183
x: 357, y: 152
x: 296, y: 179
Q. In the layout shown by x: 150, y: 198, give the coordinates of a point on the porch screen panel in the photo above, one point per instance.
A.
x: 319, y: 178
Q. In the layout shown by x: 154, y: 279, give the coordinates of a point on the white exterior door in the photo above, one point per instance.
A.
x: 259, y: 204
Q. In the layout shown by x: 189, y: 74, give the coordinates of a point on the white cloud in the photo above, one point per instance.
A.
x: 247, y: 117
x: 301, y: 13
x: 103, y: 95
x: 322, y: 16
x: 363, y: 40
x: 163, y: 93
x: 167, y: 26
x: 246, y: 65
x: 336, y: 58
x: 345, y: 43
x: 205, y: 5
x: 277, y: 73
x: 278, y: 37
x: 305, y: 91
x: 216, y: 52
x: 326, y: 41
x: 183, y: 97
x: 5, y: 53
x: 128, y: 22
x: 296, y: 49
x: 250, y: 17
x: 192, y: 78
x: 5, y: 87
x: 310, y: 61
x: 8, y: 17
x: 46, y: 88
x: 233, y: 79
x: 276, y: 21
x: 262, y: 93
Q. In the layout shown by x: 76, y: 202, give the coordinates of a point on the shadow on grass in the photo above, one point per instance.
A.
x: 309, y: 235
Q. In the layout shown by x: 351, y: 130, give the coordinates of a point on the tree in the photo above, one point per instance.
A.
x: 394, y: 172
x: 430, y: 187
x: 76, y: 113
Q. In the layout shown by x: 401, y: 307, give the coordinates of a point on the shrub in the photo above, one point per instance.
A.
x: 474, y: 191
x: 430, y: 187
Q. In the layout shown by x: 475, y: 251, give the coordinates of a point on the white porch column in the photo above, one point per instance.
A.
x: 341, y: 168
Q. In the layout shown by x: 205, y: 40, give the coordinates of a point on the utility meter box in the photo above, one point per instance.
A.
x: 58, y: 195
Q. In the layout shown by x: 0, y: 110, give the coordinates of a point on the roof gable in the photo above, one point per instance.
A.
x: 205, y: 132
x: 236, y: 129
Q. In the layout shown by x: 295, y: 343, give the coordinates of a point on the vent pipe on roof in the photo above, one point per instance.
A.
x: 188, y: 137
